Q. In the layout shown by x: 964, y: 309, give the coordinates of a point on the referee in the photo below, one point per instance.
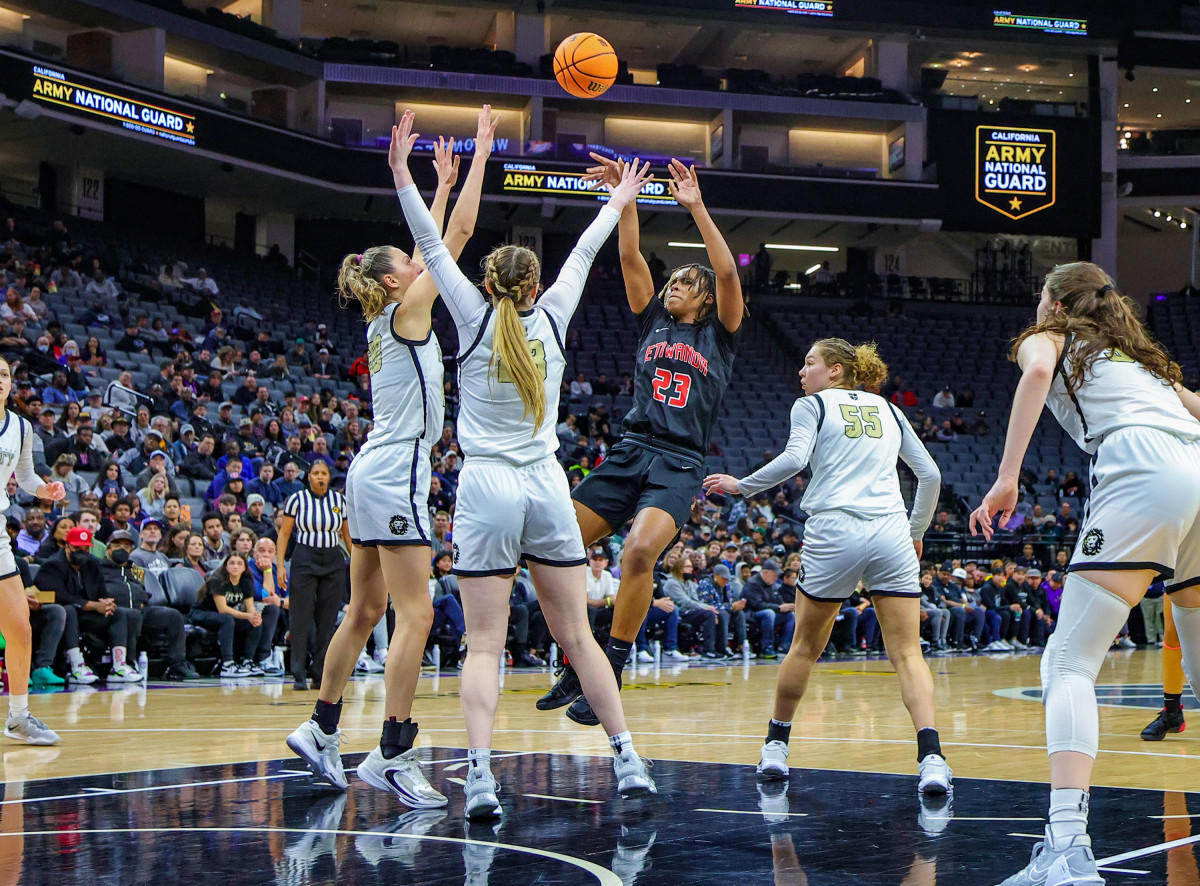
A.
x: 316, y: 580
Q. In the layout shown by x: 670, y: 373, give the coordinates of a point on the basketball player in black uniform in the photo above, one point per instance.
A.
x: 687, y: 338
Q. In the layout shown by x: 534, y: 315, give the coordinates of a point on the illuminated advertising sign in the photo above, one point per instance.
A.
x: 53, y: 87
x: 821, y: 8
x: 1002, y: 18
x: 527, y: 178
x: 1015, y: 169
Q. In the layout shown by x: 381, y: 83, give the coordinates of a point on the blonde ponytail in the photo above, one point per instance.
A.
x: 862, y: 367
x: 512, y: 273
x: 359, y: 280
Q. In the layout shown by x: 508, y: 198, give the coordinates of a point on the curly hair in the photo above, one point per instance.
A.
x: 862, y: 367
x: 1101, y: 320
x: 360, y: 279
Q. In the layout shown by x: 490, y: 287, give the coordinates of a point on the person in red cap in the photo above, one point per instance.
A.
x: 74, y: 576
x: 16, y: 458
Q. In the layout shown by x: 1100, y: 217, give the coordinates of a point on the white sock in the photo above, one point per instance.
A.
x: 480, y: 758
x: 75, y: 657
x: 18, y: 706
x: 1068, y: 816
x: 118, y: 654
x: 621, y: 742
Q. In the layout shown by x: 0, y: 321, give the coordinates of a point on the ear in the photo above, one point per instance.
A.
x: 487, y: 284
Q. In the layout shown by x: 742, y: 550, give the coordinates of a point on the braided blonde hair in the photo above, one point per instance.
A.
x: 513, y: 274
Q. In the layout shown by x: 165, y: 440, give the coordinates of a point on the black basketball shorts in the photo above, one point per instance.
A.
x: 634, y: 477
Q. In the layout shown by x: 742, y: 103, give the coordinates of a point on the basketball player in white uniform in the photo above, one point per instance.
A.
x: 513, y: 498
x: 16, y: 457
x: 858, y: 530
x: 387, y: 489
x: 1118, y: 394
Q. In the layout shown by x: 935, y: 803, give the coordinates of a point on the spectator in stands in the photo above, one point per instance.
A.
x: 1028, y: 559
x: 88, y: 456
x: 324, y: 366
x: 36, y: 304
x: 299, y: 356
x: 118, y: 441
x: 100, y: 286
x: 216, y: 543
x: 944, y: 399
x: 154, y: 494
x: 767, y: 608
x: 14, y: 306
x: 683, y: 590
x: 226, y: 605
x: 967, y: 615
x: 581, y: 388
x: 75, y: 578
x: 290, y: 482
x: 34, y: 533
x: 264, y: 486
x: 125, y: 585
x: 203, y: 283
x: 194, y: 555
x: 64, y: 472
x: 1063, y: 517
x: 946, y: 433
x: 254, y: 519
x: 60, y: 393
x: 933, y: 611
x: 718, y: 591
x: 1042, y: 523
x: 200, y: 464
x: 1071, y: 486
x: 601, y: 590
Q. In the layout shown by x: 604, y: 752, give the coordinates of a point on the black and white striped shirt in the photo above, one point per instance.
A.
x: 318, y: 519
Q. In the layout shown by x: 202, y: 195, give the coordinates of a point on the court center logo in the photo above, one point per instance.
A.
x: 1015, y: 169
x: 1093, y: 542
x: 398, y: 525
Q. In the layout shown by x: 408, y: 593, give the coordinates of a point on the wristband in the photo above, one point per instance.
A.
x: 608, y: 602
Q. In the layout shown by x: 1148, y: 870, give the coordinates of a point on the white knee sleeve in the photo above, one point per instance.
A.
x: 1187, y: 624
x: 1088, y: 620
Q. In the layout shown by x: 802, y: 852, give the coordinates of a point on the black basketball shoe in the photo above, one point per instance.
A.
x: 1166, y: 721
x: 564, y: 691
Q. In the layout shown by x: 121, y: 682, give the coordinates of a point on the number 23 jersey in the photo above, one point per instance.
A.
x: 681, y: 371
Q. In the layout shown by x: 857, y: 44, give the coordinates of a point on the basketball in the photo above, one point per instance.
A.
x: 585, y: 65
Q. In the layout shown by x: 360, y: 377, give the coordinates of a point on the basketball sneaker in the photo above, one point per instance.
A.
x: 644, y: 657
x: 936, y: 813
x: 123, y: 673
x: 633, y: 779
x: 320, y: 752
x: 83, y: 675
x: 396, y: 841
x: 402, y: 776
x: 773, y: 765
x: 934, y: 775
x: 481, y: 789
x: 29, y: 729
x: 1166, y: 721
x: 45, y: 677
x: 581, y: 712
x: 1073, y: 865
x: 565, y: 690
x: 317, y: 837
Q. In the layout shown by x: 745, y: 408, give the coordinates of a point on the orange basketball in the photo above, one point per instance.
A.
x: 585, y: 65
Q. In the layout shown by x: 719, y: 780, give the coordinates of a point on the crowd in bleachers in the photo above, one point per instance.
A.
x: 181, y: 408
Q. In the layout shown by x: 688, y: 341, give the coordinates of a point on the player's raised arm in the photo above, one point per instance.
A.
x: 639, y: 282
x: 685, y: 188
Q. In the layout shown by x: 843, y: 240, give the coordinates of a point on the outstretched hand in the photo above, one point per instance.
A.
x: 445, y: 162
x: 55, y: 491
x: 485, y: 132
x: 633, y: 177
x: 721, y: 483
x: 607, y: 173
x: 683, y: 184
x: 403, y: 139
x: 1001, y: 499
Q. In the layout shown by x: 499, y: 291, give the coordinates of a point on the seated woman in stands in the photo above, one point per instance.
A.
x: 226, y: 605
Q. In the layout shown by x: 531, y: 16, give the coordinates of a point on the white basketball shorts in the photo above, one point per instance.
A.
x: 506, y: 512
x: 387, y: 495
x: 840, y: 550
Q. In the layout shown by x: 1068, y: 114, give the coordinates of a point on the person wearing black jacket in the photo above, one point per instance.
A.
x: 200, y: 464
x: 124, y: 582
x: 1016, y: 598
x: 75, y: 578
x: 766, y: 606
x: 88, y: 457
x: 999, y: 615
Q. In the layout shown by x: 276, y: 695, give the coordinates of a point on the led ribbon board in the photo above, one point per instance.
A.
x: 1077, y: 27
x: 53, y: 87
x: 527, y: 178
x: 1015, y: 169
x: 821, y: 8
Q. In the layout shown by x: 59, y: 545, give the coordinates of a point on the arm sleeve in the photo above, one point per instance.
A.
x: 561, y: 299
x: 790, y: 462
x: 929, y: 479
x: 27, y: 478
x: 461, y: 297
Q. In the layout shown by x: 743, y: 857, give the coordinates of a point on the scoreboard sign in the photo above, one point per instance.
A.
x: 1004, y: 173
x: 819, y: 8
x: 1015, y: 169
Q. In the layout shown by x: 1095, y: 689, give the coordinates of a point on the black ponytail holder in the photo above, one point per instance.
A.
x: 1103, y: 289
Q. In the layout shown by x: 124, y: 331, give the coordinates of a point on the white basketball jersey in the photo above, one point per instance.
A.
x: 490, y: 419
x: 16, y: 439
x: 852, y: 440
x: 1117, y: 392
x: 406, y: 384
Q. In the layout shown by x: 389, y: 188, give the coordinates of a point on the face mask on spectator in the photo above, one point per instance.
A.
x: 120, y: 556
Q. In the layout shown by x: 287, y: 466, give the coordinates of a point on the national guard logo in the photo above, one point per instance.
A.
x: 456, y: 555
x: 1093, y: 542
x: 398, y: 525
x: 1015, y: 169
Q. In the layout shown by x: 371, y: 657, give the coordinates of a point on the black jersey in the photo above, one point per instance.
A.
x: 680, y: 375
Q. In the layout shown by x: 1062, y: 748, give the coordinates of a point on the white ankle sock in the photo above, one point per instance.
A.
x: 480, y: 758
x: 621, y: 742
x: 75, y: 657
x: 1068, y: 815
x: 18, y: 705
